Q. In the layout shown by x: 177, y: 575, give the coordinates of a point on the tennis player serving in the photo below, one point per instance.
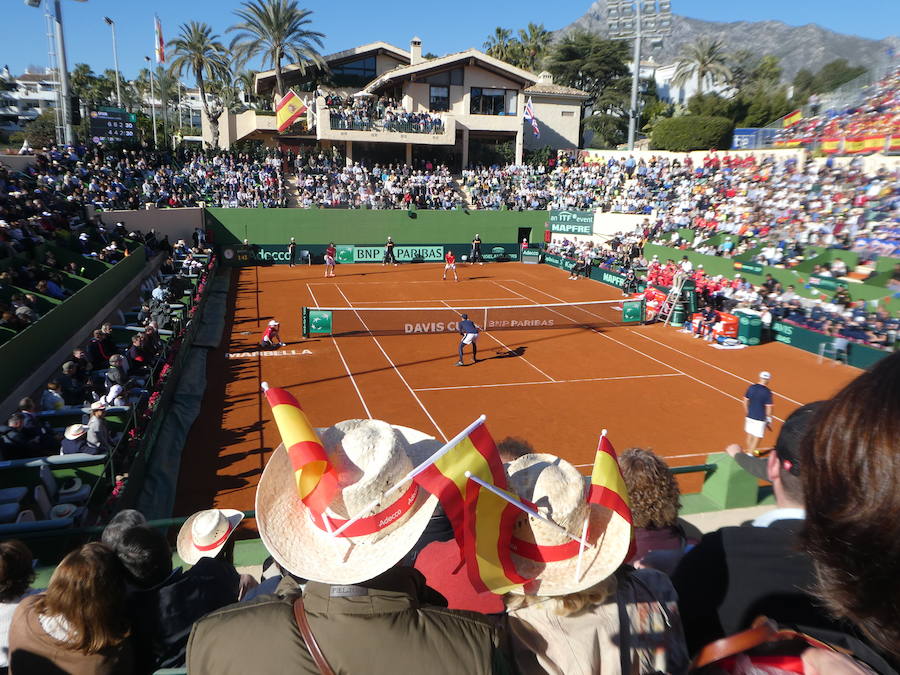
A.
x: 469, y: 332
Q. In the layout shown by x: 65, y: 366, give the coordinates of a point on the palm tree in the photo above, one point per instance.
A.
x: 276, y: 29
x: 534, y: 40
x: 198, y: 50
x: 245, y: 82
x: 499, y: 43
x: 707, y: 60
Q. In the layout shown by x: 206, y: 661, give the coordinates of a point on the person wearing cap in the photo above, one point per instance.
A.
x: 99, y: 439
x: 365, y: 611
x: 757, y: 410
x: 738, y: 573
x: 469, y: 331
x: 578, y: 614
x: 271, y: 338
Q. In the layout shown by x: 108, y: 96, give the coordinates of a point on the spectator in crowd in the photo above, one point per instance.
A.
x: 659, y: 538
x: 99, y: 439
x: 850, y: 471
x: 16, y: 576
x: 75, y: 441
x: 115, y: 375
x: 357, y: 602
x: 16, y: 442
x: 96, y: 351
x: 738, y: 573
x: 163, y: 603
x: 52, y: 398
x: 79, y: 624
x: 568, y: 622
x: 71, y: 385
x: 120, y: 523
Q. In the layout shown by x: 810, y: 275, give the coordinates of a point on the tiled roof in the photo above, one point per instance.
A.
x: 555, y: 89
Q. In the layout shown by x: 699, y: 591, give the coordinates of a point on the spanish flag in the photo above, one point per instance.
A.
x: 481, y: 520
x: 315, y: 476
x: 607, y: 485
x: 831, y: 145
x: 288, y: 109
x: 487, y: 542
x: 791, y: 119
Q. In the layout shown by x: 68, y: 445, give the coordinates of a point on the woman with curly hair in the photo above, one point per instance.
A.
x: 655, y: 501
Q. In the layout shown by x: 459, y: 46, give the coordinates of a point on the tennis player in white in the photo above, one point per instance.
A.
x: 469, y: 332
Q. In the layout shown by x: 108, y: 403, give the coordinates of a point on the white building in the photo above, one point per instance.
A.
x: 34, y: 94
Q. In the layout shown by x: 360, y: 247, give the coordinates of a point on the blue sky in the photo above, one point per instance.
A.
x: 352, y: 22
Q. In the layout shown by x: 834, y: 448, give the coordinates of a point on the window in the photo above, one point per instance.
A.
x: 439, y: 99
x: 568, y: 113
x: 487, y: 101
x: 354, y: 73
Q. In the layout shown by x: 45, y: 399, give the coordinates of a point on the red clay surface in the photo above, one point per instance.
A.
x: 650, y: 386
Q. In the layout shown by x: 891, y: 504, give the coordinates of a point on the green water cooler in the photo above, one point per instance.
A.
x: 749, y: 328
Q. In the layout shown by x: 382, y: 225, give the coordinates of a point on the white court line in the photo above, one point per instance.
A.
x: 396, y: 370
x: 668, y: 365
x: 407, y: 302
x: 405, y: 282
x: 712, y: 365
x: 524, y: 384
x: 344, y: 361
x: 506, y: 347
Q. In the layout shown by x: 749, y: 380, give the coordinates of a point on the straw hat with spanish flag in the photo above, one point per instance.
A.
x: 548, y: 556
x: 353, y: 464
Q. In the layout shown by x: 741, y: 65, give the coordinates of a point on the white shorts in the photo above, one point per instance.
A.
x: 450, y: 266
x: 469, y: 338
x: 755, y: 427
x: 329, y: 260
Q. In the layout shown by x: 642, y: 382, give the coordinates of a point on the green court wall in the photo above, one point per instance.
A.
x: 317, y: 227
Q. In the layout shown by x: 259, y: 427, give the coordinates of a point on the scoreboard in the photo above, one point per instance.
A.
x: 109, y: 126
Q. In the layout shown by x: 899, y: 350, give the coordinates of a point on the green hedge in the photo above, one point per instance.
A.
x: 692, y: 132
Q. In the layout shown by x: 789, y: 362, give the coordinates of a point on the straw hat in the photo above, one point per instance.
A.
x: 98, y: 405
x: 205, y: 533
x: 370, y: 457
x: 560, y: 493
x: 74, y: 431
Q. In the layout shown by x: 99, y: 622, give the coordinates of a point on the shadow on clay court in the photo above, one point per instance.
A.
x: 508, y: 353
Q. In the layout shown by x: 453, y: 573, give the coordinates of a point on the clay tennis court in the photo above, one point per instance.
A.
x: 650, y: 386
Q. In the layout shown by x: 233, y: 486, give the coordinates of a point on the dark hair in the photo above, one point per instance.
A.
x: 16, y: 570
x: 851, y: 467
x: 513, y: 447
x: 652, y: 489
x: 145, y: 554
x: 464, y: 316
x: 88, y: 591
x: 120, y: 523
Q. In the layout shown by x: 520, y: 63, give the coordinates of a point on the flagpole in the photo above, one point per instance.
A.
x: 447, y: 447
x: 531, y: 512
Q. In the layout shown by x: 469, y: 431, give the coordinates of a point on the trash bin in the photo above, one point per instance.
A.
x: 749, y: 328
x: 678, y: 314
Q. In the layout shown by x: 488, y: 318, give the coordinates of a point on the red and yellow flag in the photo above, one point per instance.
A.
x: 607, y: 485
x: 791, y: 119
x: 315, y: 476
x: 854, y: 145
x: 894, y: 145
x: 831, y: 145
x: 489, y: 523
x: 482, y: 521
x: 288, y: 109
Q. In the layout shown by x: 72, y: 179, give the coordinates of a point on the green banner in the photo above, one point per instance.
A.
x: 747, y: 267
x: 559, y: 261
x: 858, y: 355
x: 633, y: 311
x: 370, y: 254
x: 826, y: 283
x: 319, y: 321
x: 531, y: 255
x: 572, y: 222
x: 344, y: 254
x: 608, y: 277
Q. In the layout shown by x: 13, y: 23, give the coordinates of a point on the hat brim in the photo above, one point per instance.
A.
x: 185, y: 545
x: 303, y: 549
x: 73, y: 435
x: 609, y: 536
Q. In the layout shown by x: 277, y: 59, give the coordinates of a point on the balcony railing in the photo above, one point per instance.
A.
x: 429, y: 126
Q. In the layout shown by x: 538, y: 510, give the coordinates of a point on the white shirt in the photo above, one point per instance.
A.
x: 785, y: 513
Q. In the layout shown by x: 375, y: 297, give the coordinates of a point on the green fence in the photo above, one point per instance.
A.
x: 28, y: 350
x: 858, y: 355
x: 270, y: 230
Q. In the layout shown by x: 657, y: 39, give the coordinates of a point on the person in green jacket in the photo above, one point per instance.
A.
x: 366, y: 612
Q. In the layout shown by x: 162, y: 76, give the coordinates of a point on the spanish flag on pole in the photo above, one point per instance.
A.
x: 482, y: 521
x: 316, y: 478
x: 792, y: 118
x: 288, y: 109
x: 607, y: 485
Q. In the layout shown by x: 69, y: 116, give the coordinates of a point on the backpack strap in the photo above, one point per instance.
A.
x: 309, y: 639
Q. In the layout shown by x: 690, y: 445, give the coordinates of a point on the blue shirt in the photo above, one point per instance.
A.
x: 468, y: 326
x: 758, y: 397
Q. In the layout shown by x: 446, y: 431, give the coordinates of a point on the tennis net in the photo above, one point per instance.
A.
x: 349, y: 321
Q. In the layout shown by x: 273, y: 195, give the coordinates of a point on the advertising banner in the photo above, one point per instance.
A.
x: 319, y: 321
x: 572, y: 222
x: 375, y: 254
x: 747, y: 267
x: 344, y: 254
x: 559, y: 261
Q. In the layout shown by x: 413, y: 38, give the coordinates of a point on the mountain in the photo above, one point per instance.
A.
x: 809, y: 46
